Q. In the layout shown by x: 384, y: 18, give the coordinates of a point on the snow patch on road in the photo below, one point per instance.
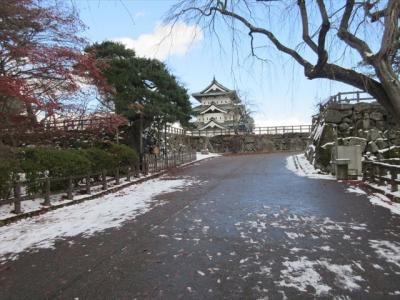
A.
x: 293, y: 235
x: 389, y: 251
x: 299, y: 165
x: 382, y: 200
x: 377, y: 199
x: 344, y: 275
x: 200, y: 156
x: 303, y: 273
x: 85, y: 219
x: 355, y: 190
x: 300, y: 274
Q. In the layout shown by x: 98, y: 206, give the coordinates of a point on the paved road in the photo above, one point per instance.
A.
x: 250, y: 230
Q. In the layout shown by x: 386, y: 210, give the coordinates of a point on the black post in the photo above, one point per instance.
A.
x: 141, y: 154
x: 70, y: 187
x: 87, y: 183
x: 117, y: 176
x: 47, y: 192
x: 104, y: 179
x: 128, y: 175
x: 17, y: 198
x: 393, y: 177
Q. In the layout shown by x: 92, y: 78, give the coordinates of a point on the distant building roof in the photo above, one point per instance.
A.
x: 216, y: 89
x: 213, y: 107
x: 212, y: 124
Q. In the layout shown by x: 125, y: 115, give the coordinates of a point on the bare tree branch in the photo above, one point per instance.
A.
x: 349, y: 38
x: 304, y: 23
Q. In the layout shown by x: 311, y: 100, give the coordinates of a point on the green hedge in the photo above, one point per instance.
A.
x: 36, y: 162
x: 99, y: 159
x: 56, y: 163
x: 9, y: 168
x: 124, y: 155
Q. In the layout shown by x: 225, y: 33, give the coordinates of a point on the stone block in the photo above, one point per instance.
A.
x: 340, y: 106
x: 381, y: 125
x: 249, y: 139
x: 382, y: 143
x: 374, y: 134
x: 333, y: 116
x: 347, y: 120
x: 354, y: 141
x: 375, y: 115
x: 372, y: 147
x: 343, y: 126
x: 362, y: 106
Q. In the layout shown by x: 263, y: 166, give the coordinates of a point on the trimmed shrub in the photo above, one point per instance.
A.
x: 9, y: 168
x: 99, y: 159
x: 38, y: 162
x: 125, y: 155
x: 55, y: 163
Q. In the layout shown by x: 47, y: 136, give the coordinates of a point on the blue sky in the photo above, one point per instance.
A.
x: 277, y: 91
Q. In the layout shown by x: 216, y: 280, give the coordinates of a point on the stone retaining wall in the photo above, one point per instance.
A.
x: 251, y: 143
x: 364, y: 124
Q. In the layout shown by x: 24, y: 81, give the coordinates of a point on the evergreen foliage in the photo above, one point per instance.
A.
x: 141, y: 85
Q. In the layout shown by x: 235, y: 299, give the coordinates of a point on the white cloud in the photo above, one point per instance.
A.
x: 165, y: 40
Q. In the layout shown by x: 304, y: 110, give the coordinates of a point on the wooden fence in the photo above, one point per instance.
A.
x: 41, y: 188
x: 83, y: 124
x: 66, y: 125
x: 351, y: 97
x: 272, y: 130
x: 382, y: 173
x: 155, y: 163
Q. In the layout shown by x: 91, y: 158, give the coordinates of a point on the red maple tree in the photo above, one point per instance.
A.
x: 41, y: 60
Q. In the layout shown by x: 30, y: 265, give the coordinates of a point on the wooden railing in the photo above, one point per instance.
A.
x: 78, y: 124
x: 351, y: 97
x: 345, y: 97
x: 85, y: 184
x: 67, y: 125
x: 156, y: 163
x: 382, y: 173
x: 272, y: 130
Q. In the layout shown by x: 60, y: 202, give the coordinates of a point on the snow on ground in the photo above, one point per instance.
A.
x: 377, y: 199
x: 382, y: 200
x: 356, y: 190
x: 85, y: 219
x: 200, y: 156
x: 299, y: 165
x: 389, y: 251
x: 385, y: 189
x: 344, y: 275
x: 6, y: 210
x: 26, y: 206
x: 300, y: 274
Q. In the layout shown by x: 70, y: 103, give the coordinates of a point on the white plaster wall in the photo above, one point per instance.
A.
x: 219, y: 117
x: 217, y: 100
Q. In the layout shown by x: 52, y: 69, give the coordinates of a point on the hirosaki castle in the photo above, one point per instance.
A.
x: 220, y: 108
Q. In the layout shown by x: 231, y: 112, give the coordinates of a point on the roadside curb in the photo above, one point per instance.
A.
x: 44, y: 210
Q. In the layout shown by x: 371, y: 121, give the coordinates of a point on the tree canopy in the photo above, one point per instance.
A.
x: 41, y: 59
x: 319, y: 35
x: 141, y: 86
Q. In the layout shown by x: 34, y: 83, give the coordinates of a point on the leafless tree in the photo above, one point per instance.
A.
x: 329, y: 32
